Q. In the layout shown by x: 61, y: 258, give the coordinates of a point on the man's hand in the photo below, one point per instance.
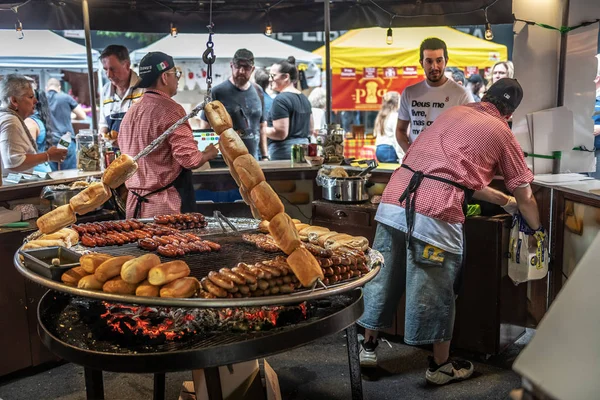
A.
x: 511, y: 206
x: 209, y: 153
x: 57, y: 155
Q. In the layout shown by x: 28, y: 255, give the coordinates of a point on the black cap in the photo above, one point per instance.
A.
x: 507, y: 90
x: 152, y: 65
x: 475, y: 78
x: 243, y: 55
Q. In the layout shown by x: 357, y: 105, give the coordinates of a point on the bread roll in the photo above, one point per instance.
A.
x: 118, y: 286
x: 332, y: 239
x: 90, y: 262
x: 322, y: 238
x: 110, y: 268
x: 296, y: 221
x: 248, y: 200
x: 249, y: 171
x: 147, y: 289
x: 232, y: 146
x: 90, y: 282
x: 305, y: 267
x: 72, y: 276
x: 91, y: 198
x: 266, y: 201
x: 338, y: 172
x: 217, y: 116
x: 56, y: 219
x: 310, y: 229
x: 182, y: 287
x: 354, y: 242
x: 136, y: 270
x: 263, y: 226
x: 34, y: 244
x: 301, y: 226
x: 119, y: 171
x: 284, y: 232
x: 168, y: 272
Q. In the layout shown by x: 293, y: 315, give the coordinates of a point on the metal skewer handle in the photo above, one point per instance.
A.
x: 156, y: 142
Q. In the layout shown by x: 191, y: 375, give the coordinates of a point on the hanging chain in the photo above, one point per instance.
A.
x: 209, y: 57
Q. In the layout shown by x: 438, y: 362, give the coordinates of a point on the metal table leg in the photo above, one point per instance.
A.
x: 354, y: 362
x: 213, y: 383
x: 159, y: 387
x: 94, y: 384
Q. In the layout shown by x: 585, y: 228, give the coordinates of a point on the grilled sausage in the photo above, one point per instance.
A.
x: 148, y: 244
x: 318, y: 250
x: 247, y: 275
x: 164, y: 251
x: 212, y: 288
x: 213, y: 246
x: 88, y: 240
x: 237, y: 279
x: 221, y: 280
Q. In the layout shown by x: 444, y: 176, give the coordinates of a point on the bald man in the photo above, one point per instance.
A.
x: 61, y: 105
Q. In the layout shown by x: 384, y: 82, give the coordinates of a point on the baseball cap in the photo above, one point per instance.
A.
x: 475, y: 78
x: 243, y: 55
x: 152, y: 65
x: 508, y: 90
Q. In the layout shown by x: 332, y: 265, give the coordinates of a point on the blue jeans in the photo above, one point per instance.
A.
x: 427, y: 273
x: 386, y: 154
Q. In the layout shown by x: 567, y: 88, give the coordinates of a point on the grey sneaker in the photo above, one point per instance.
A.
x: 367, y: 355
x: 455, y: 370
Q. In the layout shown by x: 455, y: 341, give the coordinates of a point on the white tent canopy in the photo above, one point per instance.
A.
x: 41, y: 49
x: 190, y: 47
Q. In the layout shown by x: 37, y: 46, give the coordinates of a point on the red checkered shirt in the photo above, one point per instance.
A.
x: 143, y: 123
x: 467, y: 145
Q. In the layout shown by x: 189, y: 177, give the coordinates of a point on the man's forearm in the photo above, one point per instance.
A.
x: 491, y: 196
x: 528, y: 206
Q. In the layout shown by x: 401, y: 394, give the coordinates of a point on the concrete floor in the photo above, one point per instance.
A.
x: 318, y: 371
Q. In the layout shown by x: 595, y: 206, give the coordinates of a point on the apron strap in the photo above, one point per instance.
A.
x: 409, y: 195
x: 144, y: 199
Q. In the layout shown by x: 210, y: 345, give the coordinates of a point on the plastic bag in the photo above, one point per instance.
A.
x: 528, y: 252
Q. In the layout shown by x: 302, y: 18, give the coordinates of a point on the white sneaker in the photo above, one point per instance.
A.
x: 367, y: 355
x: 450, y: 371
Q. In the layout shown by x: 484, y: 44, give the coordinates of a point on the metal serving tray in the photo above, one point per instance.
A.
x: 292, y: 298
x: 40, y: 261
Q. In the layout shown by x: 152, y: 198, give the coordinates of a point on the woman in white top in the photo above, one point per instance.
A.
x: 387, y: 148
x: 18, y: 149
x: 318, y: 99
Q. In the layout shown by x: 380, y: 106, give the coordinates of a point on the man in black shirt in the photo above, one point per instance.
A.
x: 242, y: 101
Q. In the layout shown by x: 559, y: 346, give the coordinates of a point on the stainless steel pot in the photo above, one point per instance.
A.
x: 346, y: 190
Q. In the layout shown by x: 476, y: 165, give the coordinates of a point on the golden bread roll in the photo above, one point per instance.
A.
x: 56, y: 219
x: 72, y: 276
x: 136, y: 270
x: 90, y: 282
x: 118, y: 286
x: 301, y: 226
x: 338, y: 172
x: 217, y: 116
x: 266, y: 201
x: 146, y: 289
x: 305, y: 267
x: 263, y: 226
x: 34, y: 244
x: 119, y: 171
x: 91, y: 198
x: 90, y: 262
x: 168, y: 272
x: 182, y: 287
x: 67, y: 235
x: 232, y: 146
x: 110, y: 268
x: 79, y: 185
x: 354, y: 242
x: 249, y: 171
x: 332, y: 239
x: 320, y: 240
x: 248, y: 200
x: 296, y: 221
x: 284, y: 232
x: 313, y: 229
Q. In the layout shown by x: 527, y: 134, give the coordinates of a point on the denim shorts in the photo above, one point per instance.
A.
x: 427, y: 273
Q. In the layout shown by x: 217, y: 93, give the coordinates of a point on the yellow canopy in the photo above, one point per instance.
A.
x: 362, y: 48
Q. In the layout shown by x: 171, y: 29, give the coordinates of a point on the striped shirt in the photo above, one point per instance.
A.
x: 113, y: 107
x: 143, y: 123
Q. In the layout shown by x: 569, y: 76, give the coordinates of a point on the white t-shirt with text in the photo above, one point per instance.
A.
x: 421, y: 104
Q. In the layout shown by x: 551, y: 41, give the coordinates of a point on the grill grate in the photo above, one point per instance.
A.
x: 233, y: 250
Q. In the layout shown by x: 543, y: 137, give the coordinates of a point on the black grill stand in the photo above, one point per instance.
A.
x: 208, y: 358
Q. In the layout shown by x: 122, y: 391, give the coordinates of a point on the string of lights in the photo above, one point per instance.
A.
x: 562, y: 29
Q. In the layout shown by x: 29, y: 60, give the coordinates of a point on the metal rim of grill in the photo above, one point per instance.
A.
x: 233, y: 251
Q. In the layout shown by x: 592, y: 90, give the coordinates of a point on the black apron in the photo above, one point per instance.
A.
x: 409, y: 195
x: 184, y: 186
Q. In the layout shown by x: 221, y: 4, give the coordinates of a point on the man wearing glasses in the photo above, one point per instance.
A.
x: 163, y: 182
x: 242, y: 100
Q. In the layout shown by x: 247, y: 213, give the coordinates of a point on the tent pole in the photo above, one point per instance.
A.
x: 90, y: 64
x: 327, y: 62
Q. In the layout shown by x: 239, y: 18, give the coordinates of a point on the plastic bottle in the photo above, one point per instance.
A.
x: 65, y: 141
